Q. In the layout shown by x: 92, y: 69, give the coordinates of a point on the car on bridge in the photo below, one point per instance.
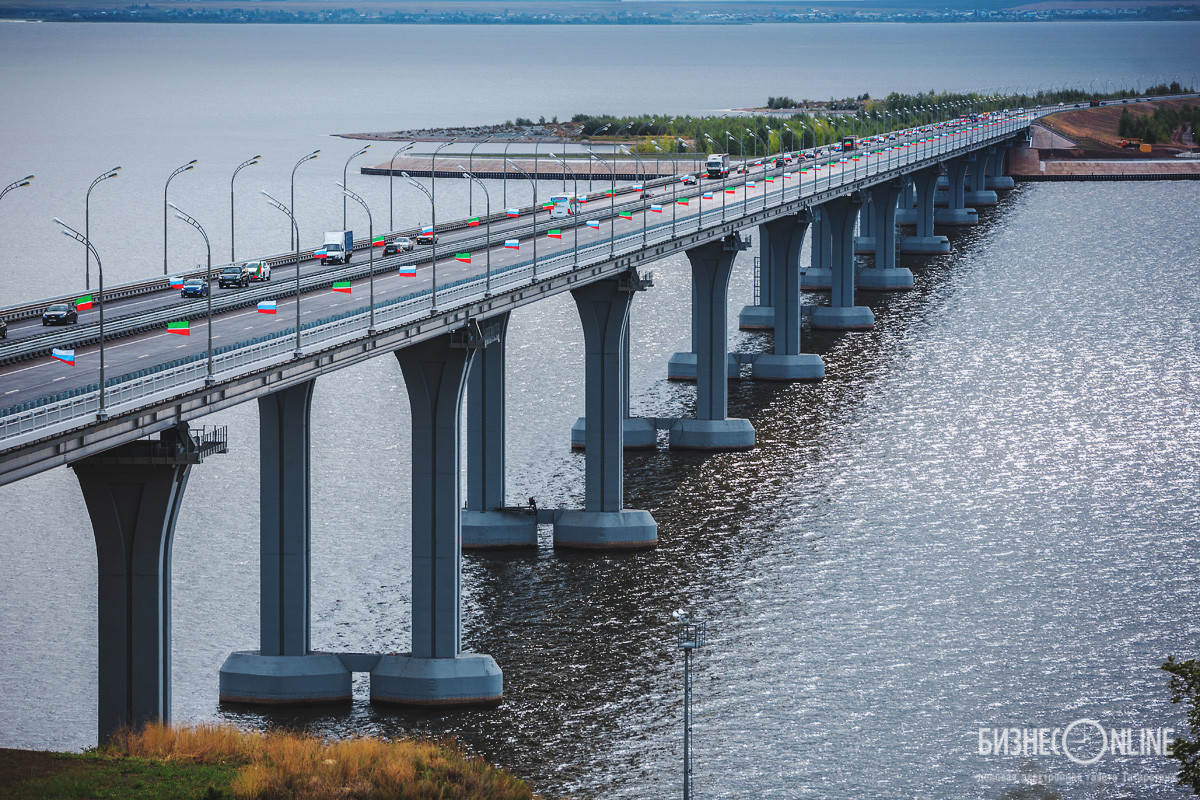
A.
x: 233, y: 275
x: 259, y: 270
x: 426, y: 237
x: 393, y: 246
x: 688, y: 180
x: 60, y: 314
x: 3, y: 329
x: 194, y: 287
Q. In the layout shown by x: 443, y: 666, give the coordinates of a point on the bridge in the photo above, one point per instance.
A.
x: 442, y: 312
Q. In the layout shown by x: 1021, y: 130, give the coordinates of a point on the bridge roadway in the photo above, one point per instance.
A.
x: 133, y: 485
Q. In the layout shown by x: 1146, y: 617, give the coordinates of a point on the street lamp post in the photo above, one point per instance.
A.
x: 533, y: 236
x: 247, y: 163
x: 25, y: 182
x: 296, y: 353
x: 612, y: 197
x: 639, y: 163
x: 101, y: 413
x: 295, y: 228
x: 471, y: 171
x: 177, y: 171
x: 487, y: 291
x: 371, y: 256
x: 689, y: 635
x: 504, y: 187
x: 345, y: 171
x: 391, y: 184
x: 433, y: 233
x: 209, y: 380
x: 575, y: 190
x: 87, y: 222
x: 607, y: 125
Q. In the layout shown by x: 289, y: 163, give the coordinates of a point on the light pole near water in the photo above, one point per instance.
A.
x: 296, y: 353
x: 247, y: 163
x: 370, y: 269
x: 101, y: 412
x: 392, y: 182
x: 532, y: 183
x: 471, y: 169
x: 295, y: 228
x: 87, y: 223
x: 177, y: 171
x: 345, y: 171
x: 689, y: 635
x: 209, y: 380
x: 433, y: 241
x: 487, y: 291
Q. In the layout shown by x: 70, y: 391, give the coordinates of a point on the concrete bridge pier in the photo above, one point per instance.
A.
x: 906, y: 211
x: 640, y: 434
x: 682, y: 366
x: 133, y: 493
x: 284, y: 669
x: 957, y: 214
x: 885, y: 276
x: 996, y: 179
x: 925, y: 241
x: 437, y: 672
x: 819, y: 276
x: 762, y: 315
x: 864, y: 243
x: 977, y: 194
x: 484, y: 523
x: 841, y: 313
x: 604, y: 523
x: 711, y: 430
x: 784, y: 237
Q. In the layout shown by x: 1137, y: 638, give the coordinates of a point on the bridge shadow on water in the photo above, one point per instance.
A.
x: 592, y: 679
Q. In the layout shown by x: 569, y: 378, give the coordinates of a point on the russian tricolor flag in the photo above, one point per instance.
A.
x: 177, y: 282
x: 512, y: 244
x: 426, y: 229
x: 65, y: 356
x: 656, y: 209
x: 267, y: 307
x: 513, y: 212
x: 707, y: 196
x: 593, y: 223
x: 749, y: 184
x: 408, y: 271
x: 320, y: 253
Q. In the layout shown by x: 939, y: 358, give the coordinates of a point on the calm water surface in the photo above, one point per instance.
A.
x: 984, y: 517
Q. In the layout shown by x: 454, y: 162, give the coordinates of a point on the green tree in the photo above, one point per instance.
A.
x: 1185, y: 688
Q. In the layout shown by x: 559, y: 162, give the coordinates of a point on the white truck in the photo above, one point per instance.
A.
x: 339, y: 246
x: 717, y: 165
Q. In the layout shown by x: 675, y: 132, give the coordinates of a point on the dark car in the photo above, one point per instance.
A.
x: 233, y: 276
x: 60, y: 314
x: 194, y: 287
x: 393, y: 246
x: 3, y: 329
x: 426, y: 237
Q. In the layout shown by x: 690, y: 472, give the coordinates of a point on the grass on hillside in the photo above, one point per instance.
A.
x: 215, y: 762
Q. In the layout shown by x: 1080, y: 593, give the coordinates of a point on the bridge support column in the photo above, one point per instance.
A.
x: 682, y: 366
x: 996, y: 179
x: 711, y: 430
x: 977, y: 193
x: 784, y: 237
x: 864, y: 243
x: 604, y: 523
x: 484, y: 524
x: 884, y: 276
x: 284, y: 669
x: 956, y: 214
x: 640, y: 434
x: 842, y: 314
x: 133, y: 493
x: 906, y: 211
x: 819, y: 277
x: 762, y: 315
x: 925, y: 241
x: 437, y: 672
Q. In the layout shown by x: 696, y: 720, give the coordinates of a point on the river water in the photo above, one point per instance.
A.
x: 983, y: 518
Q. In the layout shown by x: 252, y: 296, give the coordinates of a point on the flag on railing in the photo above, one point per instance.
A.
x: 730, y: 190
x: 177, y: 282
x: 769, y: 179
x: 267, y: 307
x: 320, y: 253
x: 84, y: 303
x: 473, y: 222
x: 408, y: 271
x: 378, y: 241
x: 426, y: 230
x: 707, y: 196
x: 593, y: 223
x: 182, y: 327
x: 656, y: 209
x: 65, y: 356
x: 582, y: 198
x: 463, y: 257
x: 555, y: 234
x: 626, y: 215
x: 549, y: 204
x: 513, y: 212
x: 512, y: 244
x: 609, y: 192
x: 341, y: 286
x: 683, y: 201
x: 749, y: 184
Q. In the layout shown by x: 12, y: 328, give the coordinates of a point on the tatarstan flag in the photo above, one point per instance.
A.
x: 84, y: 303
x: 473, y: 222
x: 555, y: 234
x: 463, y: 257
x: 341, y: 286
x: 182, y: 327
x: 683, y: 201
x: 626, y: 215
x: 378, y: 241
x: 609, y: 192
x: 730, y: 190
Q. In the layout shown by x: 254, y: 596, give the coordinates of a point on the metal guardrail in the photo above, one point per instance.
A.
x: 33, y: 420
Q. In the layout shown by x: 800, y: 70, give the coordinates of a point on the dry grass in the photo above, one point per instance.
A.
x: 278, y: 765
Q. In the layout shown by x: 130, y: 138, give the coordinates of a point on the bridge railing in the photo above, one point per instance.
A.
x: 125, y: 393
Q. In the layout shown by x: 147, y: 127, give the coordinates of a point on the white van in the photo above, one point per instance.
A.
x: 563, y: 205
